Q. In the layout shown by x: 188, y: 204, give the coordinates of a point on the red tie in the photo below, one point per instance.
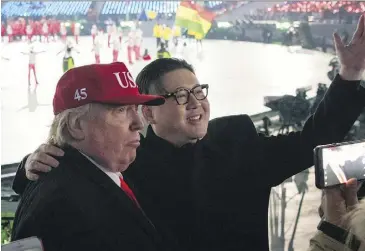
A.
x: 128, y: 191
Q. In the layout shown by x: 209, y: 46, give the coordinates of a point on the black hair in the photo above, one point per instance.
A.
x: 149, y: 79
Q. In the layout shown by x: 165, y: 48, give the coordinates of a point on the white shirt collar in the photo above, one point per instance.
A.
x: 114, y: 176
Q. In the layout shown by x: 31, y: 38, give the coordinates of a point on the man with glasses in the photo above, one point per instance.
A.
x: 207, y: 184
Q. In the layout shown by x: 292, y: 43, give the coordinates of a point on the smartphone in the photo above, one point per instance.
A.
x: 335, y: 164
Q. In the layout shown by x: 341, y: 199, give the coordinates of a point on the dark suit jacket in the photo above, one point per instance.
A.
x: 78, y: 207
x: 214, y: 195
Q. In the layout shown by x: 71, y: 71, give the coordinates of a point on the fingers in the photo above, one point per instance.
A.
x: 41, y: 161
x: 334, y: 206
x: 32, y: 176
x: 333, y: 199
x: 359, y: 33
x: 338, y: 42
x: 333, y: 195
x: 50, y: 149
x: 351, y: 193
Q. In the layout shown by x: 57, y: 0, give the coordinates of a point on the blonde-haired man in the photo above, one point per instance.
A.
x: 87, y: 205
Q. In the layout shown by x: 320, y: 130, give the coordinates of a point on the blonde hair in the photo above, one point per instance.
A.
x: 59, y: 133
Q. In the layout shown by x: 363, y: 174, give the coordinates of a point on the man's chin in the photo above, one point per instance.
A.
x: 198, y: 134
x: 124, y: 165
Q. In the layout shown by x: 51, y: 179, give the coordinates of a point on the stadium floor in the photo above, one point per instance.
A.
x: 239, y: 75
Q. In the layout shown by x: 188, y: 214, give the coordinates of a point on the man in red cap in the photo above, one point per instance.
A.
x: 87, y: 205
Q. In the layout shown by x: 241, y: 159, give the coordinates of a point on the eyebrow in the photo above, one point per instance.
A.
x: 182, y: 87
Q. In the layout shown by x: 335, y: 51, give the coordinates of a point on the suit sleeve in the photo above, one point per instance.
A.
x: 20, y: 181
x: 287, y: 155
x: 58, y: 223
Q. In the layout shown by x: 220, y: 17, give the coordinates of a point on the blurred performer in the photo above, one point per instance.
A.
x: 131, y: 39
x: 45, y: 31
x: 199, y: 40
x: 94, y: 31
x: 163, y: 52
x: 138, y: 39
x: 29, y: 31
x: 63, y: 32
x: 289, y: 37
x: 68, y: 61
x: 116, y: 48
x: 190, y: 36
x: 96, y: 49
x: 77, y: 32
x: 157, y: 33
x: 166, y: 35
x: 9, y: 32
x: 53, y: 25
x: 114, y: 29
x: 109, y: 31
x: 146, y: 55
x: 32, y: 60
x: 120, y: 33
x: 3, y: 31
x: 176, y: 35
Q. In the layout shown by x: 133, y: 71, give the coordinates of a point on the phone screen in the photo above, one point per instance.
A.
x: 343, y: 162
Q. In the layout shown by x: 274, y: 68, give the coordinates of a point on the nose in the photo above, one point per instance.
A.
x: 137, y: 123
x: 193, y: 102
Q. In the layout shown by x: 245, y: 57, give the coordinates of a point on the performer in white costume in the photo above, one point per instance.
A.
x: 96, y: 49
x: 63, y: 32
x: 45, y: 32
x: 94, y: 32
x: 32, y: 60
x: 9, y: 32
x: 77, y: 32
x: 68, y: 60
x: 120, y: 33
x: 29, y: 31
x: 116, y: 47
x: 131, y: 44
x: 109, y: 31
x: 138, y: 42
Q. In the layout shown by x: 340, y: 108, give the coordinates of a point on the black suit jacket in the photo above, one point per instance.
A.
x: 214, y: 195
x: 78, y: 207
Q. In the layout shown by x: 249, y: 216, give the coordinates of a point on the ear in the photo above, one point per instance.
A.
x: 75, y: 127
x: 148, y: 114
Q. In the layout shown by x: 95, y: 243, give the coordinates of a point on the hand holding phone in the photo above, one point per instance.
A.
x: 335, y: 164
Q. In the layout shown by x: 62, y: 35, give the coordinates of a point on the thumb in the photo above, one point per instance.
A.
x: 351, y: 193
x: 338, y: 42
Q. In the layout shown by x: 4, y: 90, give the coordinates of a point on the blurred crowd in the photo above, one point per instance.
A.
x: 338, y: 11
x: 21, y: 27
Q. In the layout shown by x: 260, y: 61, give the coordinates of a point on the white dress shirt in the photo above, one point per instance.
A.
x: 114, y: 176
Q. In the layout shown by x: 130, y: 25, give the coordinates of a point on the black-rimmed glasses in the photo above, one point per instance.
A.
x: 182, y: 95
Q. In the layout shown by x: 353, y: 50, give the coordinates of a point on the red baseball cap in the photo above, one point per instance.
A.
x: 101, y: 83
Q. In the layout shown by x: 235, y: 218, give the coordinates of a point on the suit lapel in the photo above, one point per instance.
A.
x: 114, y: 192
